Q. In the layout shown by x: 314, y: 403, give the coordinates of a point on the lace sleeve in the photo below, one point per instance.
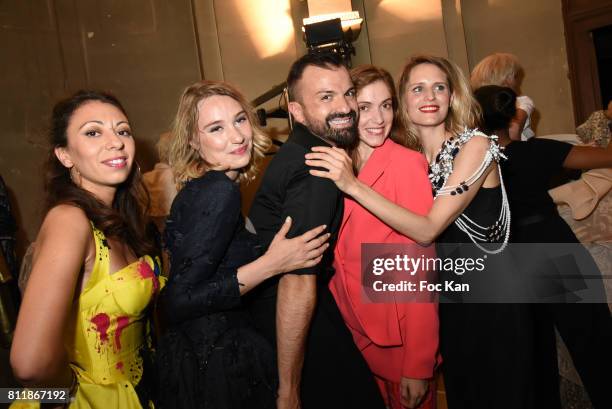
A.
x: 198, y: 235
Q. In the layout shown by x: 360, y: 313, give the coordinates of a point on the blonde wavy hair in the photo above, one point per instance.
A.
x: 463, y: 112
x: 502, y: 69
x: 185, y: 161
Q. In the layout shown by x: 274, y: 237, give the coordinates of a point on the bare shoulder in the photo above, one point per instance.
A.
x: 479, y: 142
x: 66, y: 213
x: 475, y: 152
x: 64, y: 243
x: 65, y: 221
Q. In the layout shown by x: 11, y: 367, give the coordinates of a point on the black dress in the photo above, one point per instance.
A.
x: 489, y: 350
x: 210, y: 355
x: 585, y: 328
x: 491, y: 353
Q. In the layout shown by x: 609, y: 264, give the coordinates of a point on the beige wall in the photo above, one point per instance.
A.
x: 235, y: 33
x: 144, y: 51
x: 533, y: 30
x: 463, y: 30
x: 398, y: 28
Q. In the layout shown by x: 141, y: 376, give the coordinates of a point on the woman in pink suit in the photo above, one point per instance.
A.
x: 398, y: 340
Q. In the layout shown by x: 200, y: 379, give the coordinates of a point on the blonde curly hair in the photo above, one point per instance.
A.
x: 463, y: 112
x: 502, y: 69
x: 185, y: 161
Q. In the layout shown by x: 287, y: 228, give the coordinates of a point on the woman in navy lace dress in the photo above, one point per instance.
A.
x: 210, y: 355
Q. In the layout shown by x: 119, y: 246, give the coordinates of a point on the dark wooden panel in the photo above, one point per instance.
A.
x: 581, y: 17
x: 575, y: 7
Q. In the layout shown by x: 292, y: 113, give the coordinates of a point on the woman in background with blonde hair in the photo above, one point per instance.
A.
x: 160, y: 183
x: 505, y: 70
x: 211, y: 356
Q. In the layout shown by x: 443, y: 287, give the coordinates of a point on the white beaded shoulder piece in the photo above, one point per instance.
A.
x: 442, y: 167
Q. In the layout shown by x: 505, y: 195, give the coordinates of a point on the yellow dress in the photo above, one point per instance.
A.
x: 110, y: 338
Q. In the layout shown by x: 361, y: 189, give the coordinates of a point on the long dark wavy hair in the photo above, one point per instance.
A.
x: 126, y: 218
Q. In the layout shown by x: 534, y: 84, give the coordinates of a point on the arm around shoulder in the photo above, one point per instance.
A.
x: 411, y: 182
x: 426, y: 228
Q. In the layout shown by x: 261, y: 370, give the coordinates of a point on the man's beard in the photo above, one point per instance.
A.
x: 344, y: 138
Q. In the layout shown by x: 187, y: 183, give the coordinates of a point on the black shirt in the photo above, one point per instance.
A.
x: 527, y: 174
x: 287, y: 189
x: 335, y: 374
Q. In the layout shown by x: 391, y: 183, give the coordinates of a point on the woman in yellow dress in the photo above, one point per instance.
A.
x: 84, y: 320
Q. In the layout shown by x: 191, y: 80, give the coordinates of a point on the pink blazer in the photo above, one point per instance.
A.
x: 400, y: 175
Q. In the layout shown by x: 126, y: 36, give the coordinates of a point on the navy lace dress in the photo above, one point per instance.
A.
x: 210, y: 355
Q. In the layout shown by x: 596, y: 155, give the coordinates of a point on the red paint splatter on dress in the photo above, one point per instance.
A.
x: 146, y: 272
x: 102, y: 322
x: 119, y: 366
x: 122, y: 322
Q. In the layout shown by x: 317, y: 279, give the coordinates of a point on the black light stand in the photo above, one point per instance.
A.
x: 328, y: 36
x: 320, y: 37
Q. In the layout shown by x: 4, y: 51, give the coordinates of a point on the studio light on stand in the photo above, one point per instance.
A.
x: 327, y: 32
x: 333, y: 32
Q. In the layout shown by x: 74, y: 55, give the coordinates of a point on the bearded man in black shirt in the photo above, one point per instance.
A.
x: 318, y: 362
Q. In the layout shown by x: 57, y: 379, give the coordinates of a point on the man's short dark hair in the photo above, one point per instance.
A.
x: 326, y: 60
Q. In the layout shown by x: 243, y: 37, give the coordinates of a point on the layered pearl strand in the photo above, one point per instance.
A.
x: 442, y: 167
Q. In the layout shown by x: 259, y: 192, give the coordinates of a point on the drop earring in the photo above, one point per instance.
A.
x: 74, y: 174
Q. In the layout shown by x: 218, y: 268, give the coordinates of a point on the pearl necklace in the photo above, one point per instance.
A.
x: 442, y: 167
